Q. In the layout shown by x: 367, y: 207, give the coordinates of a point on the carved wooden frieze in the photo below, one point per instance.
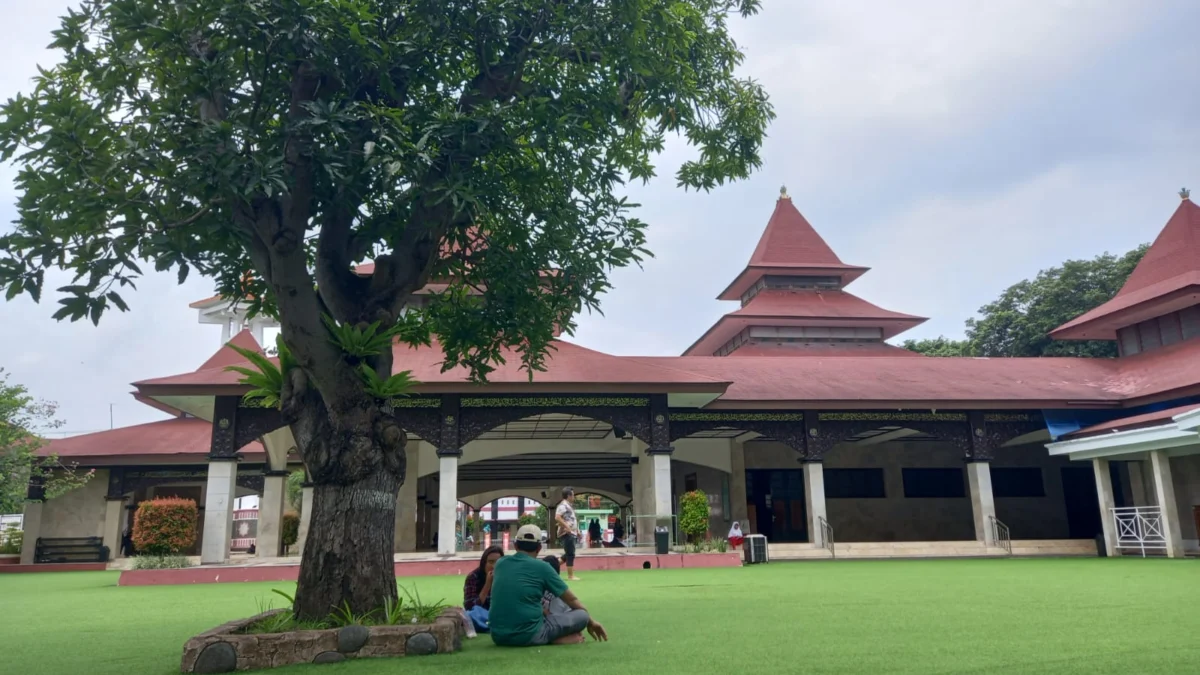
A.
x: 482, y: 414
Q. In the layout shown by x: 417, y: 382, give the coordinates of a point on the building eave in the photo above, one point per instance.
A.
x: 1124, y: 443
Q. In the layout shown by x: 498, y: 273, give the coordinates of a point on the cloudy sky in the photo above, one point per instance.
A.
x: 953, y: 147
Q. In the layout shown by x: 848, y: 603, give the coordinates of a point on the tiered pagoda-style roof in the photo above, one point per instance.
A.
x: 1159, y: 304
x: 794, y: 302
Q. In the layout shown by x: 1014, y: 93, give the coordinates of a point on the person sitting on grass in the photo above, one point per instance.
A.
x: 477, y: 590
x: 550, y: 602
x: 519, y: 583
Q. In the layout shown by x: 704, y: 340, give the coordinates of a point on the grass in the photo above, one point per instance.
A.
x: 952, y: 616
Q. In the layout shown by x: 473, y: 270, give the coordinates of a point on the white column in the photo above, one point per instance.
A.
x: 814, y: 500
x: 447, y: 499
x: 1104, y: 492
x: 114, y: 511
x: 983, y: 505
x: 661, y: 464
x: 269, y: 542
x: 406, y: 503
x: 31, y: 528
x: 1164, y: 490
x: 220, y: 492
x: 737, y: 484
x: 225, y: 331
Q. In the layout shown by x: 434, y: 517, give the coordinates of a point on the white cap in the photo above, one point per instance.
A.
x: 529, y: 533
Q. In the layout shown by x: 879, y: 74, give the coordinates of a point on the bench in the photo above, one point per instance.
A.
x: 70, y: 550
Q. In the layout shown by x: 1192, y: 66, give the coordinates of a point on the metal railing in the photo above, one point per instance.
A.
x: 1000, y: 534
x: 1139, y: 528
x: 827, y: 536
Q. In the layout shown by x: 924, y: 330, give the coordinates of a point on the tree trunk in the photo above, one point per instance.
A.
x: 348, y: 556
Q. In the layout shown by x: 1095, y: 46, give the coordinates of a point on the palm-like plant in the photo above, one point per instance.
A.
x: 266, y: 378
x: 396, y: 386
x: 359, y: 343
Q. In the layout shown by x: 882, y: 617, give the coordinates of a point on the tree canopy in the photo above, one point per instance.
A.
x: 274, y: 144
x: 1018, y: 323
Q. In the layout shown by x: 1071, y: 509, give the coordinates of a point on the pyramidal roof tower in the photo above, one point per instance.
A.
x: 1159, y: 304
x: 794, y: 303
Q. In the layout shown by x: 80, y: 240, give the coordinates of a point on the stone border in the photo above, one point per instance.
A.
x: 225, y: 650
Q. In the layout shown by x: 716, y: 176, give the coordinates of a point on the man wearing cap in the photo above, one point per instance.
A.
x: 518, y: 583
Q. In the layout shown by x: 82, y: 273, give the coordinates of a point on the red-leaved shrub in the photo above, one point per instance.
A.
x: 165, y: 526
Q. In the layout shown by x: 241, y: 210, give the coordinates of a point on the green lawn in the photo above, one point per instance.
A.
x: 964, y: 616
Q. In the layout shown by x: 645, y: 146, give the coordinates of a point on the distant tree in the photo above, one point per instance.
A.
x: 295, y: 490
x: 22, y: 418
x: 939, y: 346
x: 1019, y: 322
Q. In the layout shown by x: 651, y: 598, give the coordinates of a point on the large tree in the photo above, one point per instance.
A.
x: 1018, y: 323
x: 23, y: 421
x: 272, y: 144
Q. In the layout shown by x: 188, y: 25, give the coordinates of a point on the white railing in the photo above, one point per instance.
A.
x: 1139, y: 528
x: 827, y: 535
x: 1000, y: 534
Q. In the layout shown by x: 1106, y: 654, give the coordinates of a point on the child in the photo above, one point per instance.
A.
x: 735, y: 535
x: 550, y: 603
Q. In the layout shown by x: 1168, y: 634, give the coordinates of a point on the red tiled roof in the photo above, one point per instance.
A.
x: 1170, y: 371
x: 1166, y: 279
x: 568, y: 365
x: 790, y: 245
x: 782, y: 308
x: 1151, y: 419
x: 876, y: 381
x: 182, y: 436
x: 228, y: 357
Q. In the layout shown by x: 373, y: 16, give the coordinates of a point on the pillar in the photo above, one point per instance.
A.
x: 269, y: 541
x: 220, y: 492
x: 1104, y: 492
x: 737, y: 484
x: 1164, y: 490
x: 114, y: 515
x: 983, y: 505
x: 306, y: 502
x: 814, y: 500
x: 435, y: 528
x: 31, y: 529
x: 1137, y: 484
x: 406, y: 503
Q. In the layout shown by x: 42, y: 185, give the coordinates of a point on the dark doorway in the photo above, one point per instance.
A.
x: 778, y: 500
x: 1083, y: 506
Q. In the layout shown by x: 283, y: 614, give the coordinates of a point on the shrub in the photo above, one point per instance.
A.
x: 527, y: 519
x: 693, y: 514
x: 11, y: 539
x: 290, y: 531
x: 165, y: 526
x: 160, y: 562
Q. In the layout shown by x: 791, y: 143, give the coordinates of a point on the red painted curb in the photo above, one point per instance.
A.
x: 416, y: 568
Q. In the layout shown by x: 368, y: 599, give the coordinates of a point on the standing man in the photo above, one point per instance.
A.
x: 520, y: 581
x: 568, y: 530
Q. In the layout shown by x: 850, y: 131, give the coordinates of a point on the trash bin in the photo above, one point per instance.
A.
x: 662, y: 540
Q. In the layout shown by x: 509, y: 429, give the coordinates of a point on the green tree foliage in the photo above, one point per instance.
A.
x: 22, y: 419
x: 295, y: 490
x: 273, y: 144
x: 528, y: 519
x: 290, y: 529
x: 1018, y: 323
x: 693, y: 514
x: 939, y: 346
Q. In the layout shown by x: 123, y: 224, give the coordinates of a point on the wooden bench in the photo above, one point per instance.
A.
x: 70, y: 550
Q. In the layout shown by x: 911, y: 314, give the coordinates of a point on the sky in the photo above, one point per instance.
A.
x: 955, y: 148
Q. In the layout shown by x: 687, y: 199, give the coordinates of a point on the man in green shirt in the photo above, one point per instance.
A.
x: 518, y: 583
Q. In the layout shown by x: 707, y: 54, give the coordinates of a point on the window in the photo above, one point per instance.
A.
x: 1017, y: 482
x: 934, y: 483
x: 854, y: 484
x: 1127, y: 340
x: 1190, y: 318
x: 690, y: 483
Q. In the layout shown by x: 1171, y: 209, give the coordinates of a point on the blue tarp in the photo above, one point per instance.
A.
x: 1062, y: 422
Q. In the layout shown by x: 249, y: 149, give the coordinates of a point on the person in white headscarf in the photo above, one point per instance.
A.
x: 735, y: 535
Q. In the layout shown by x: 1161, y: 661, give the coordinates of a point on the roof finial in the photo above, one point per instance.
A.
x: 1185, y: 193
x: 783, y: 193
